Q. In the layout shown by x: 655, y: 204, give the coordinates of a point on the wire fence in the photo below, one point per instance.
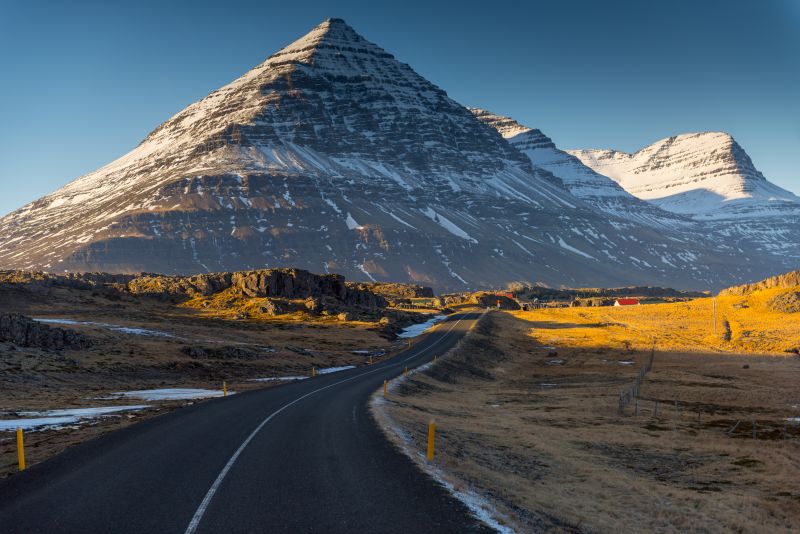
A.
x: 631, y: 395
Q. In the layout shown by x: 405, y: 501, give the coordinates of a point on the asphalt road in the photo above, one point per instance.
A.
x: 302, y: 457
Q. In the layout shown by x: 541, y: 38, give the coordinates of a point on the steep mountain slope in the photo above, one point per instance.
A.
x: 709, y: 177
x: 580, y: 180
x: 333, y: 156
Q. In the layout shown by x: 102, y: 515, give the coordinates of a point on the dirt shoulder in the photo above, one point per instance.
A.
x: 527, y: 418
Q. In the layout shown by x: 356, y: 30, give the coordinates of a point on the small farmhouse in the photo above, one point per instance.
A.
x: 626, y: 302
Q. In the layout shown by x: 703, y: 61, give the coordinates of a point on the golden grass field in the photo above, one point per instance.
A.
x: 684, y: 326
x: 536, y: 429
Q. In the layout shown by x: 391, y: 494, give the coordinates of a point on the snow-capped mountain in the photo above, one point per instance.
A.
x: 331, y: 155
x: 580, y: 180
x: 707, y: 176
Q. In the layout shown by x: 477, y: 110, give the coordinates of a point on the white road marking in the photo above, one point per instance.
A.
x: 201, y: 510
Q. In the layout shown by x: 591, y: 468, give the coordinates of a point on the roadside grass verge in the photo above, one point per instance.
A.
x: 526, y: 414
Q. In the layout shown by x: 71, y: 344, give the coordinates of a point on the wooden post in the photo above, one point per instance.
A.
x: 384, y: 388
x: 224, y: 389
x: 714, y: 301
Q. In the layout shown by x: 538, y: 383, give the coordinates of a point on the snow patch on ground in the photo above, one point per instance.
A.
x: 56, y: 418
x: 114, y: 327
x: 329, y: 370
x: 418, y: 329
x: 171, y: 394
x: 278, y: 378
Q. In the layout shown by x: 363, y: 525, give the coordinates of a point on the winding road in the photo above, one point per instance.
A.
x: 301, y: 457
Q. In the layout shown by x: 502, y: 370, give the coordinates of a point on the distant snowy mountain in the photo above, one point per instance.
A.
x: 579, y: 179
x: 331, y: 155
x: 707, y: 176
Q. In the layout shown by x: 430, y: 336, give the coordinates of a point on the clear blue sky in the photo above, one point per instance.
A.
x: 83, y: 82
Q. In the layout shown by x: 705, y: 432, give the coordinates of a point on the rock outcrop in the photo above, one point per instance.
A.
x: 291, y: 284
x: 788, y: 302
x: 787, y: 280
x: 26, y: 332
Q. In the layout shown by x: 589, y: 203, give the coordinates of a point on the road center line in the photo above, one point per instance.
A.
x: 201, y: 510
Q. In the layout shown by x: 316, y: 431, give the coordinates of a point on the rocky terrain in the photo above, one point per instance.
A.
x: 333, y: 156
x: 787, y: 280
x: 25, y: 332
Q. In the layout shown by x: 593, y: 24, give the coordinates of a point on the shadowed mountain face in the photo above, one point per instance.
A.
x: 332, y: 156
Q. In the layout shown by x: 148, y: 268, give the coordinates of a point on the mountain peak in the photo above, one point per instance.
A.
x: 702, y: 174
x: 330, y: 39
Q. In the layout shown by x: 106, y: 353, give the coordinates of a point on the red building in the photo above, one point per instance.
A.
x: 626, y: 302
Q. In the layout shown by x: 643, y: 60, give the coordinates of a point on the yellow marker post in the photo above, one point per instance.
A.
x: 431, y: 439
x: 405, y: 371
x: 20, y: 449
x: 224, y: 389
x: 384, y: 388
x: 370, y: 360
x: 313, y: 371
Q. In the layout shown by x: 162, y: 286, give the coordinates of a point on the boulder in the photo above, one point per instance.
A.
x: 26, y: 332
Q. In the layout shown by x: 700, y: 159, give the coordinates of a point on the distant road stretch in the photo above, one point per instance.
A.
x: 302, y: 457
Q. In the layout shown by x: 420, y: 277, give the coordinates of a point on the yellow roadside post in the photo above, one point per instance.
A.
x: 405, y: 371
x: 224, y: 389
x: 370, y: 359
x: 384, y: 388
x: 20, y: 449
x: 431, y: 439
x: 313, y: 371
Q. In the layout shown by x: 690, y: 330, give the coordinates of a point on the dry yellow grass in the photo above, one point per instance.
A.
x: 540, y: 436
x: 686, y: 326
